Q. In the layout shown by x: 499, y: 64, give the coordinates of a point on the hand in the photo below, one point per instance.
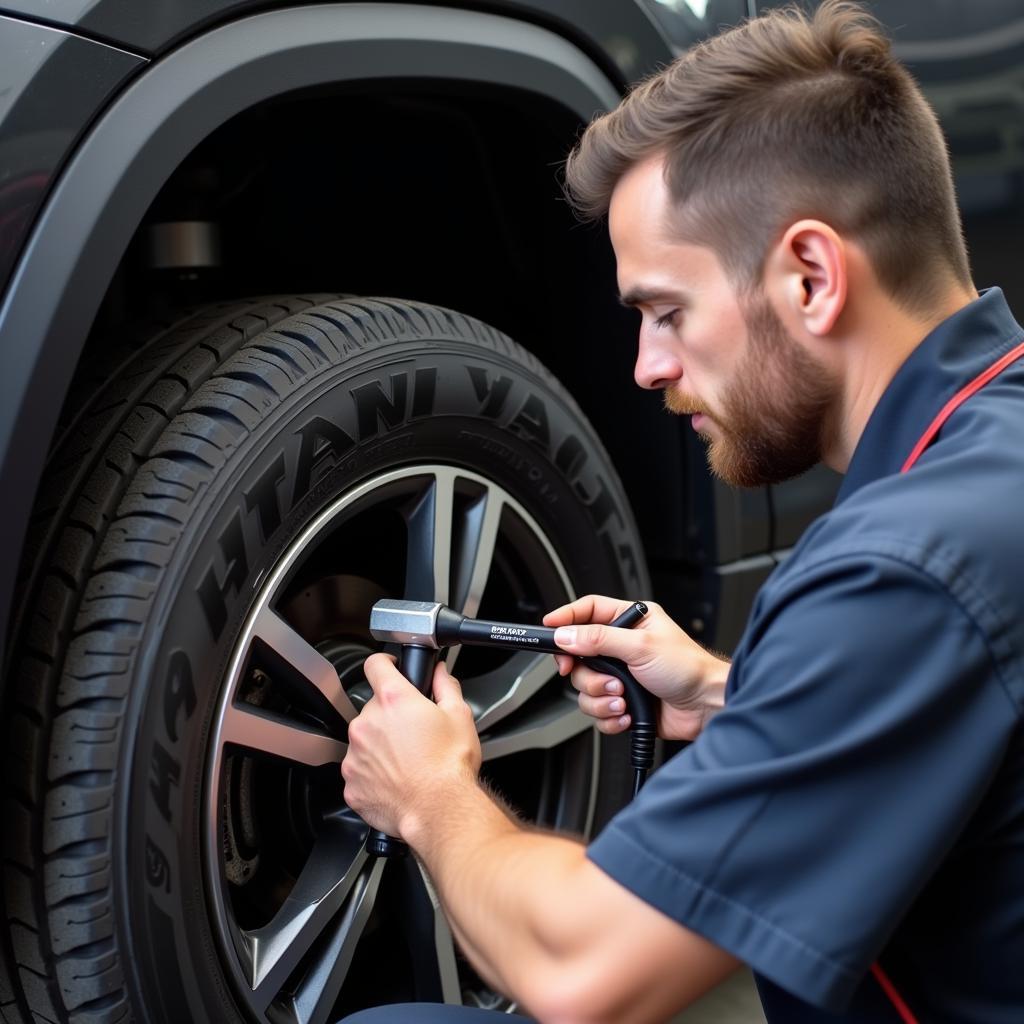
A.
x: 404, y: 749
x: 689, y: 680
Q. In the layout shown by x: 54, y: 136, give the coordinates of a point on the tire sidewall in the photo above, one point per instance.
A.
x: 464, y: 405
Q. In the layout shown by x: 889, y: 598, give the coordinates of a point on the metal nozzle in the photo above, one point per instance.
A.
x: 405, y: 622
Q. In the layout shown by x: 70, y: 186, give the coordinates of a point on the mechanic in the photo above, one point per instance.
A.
x: 849, y: 820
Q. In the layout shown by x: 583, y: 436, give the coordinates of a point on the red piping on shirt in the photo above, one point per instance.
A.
x: 958, y: 399
x: 926, y: 439
x: 894, y: 997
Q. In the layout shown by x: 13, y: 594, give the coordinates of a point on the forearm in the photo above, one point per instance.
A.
x: 509, y: 892
x: 544, y: 925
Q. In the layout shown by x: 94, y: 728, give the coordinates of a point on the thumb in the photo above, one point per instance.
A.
x: 381, y: 672
x: 594, y: 638
x: 447, y: 690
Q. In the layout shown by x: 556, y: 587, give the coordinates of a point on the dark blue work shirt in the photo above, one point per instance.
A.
x: 861, y: 796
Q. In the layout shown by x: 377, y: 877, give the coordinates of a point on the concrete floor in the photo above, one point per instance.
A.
x: 733, y: 1002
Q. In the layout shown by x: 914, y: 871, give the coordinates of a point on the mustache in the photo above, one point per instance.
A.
x: 683, y: 404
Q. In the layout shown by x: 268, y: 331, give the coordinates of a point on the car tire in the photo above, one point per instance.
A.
x: 218, y: 516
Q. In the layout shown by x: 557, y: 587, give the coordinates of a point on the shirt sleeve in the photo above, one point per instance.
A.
x: 864, y: 723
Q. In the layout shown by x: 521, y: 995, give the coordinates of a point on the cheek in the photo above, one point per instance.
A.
x: 717, y: 353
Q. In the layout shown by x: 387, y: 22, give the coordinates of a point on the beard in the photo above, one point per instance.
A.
x: 777, y: 416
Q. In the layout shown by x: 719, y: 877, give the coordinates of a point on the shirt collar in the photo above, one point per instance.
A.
x: 947, y: 358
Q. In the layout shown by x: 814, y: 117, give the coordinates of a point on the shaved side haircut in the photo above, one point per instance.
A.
x: 790, y: 116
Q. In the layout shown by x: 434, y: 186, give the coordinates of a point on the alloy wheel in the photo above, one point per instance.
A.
x: 311, y: 926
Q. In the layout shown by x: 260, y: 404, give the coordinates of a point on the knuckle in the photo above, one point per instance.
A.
x: 389, y: 693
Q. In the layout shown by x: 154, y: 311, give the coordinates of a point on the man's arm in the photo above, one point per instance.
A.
x: 537, y: 918
x: 544, y: 924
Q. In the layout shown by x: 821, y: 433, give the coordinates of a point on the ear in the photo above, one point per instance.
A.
x: 806, y: 274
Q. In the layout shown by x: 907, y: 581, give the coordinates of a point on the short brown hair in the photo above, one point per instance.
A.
x: 783, y: 117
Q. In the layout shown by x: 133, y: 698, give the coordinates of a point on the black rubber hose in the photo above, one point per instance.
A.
x: 642, y: 709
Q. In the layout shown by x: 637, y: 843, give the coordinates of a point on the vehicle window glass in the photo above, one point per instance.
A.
x: 686, y: 22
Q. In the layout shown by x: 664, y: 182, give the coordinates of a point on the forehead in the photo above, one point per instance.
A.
x: 650, y: 258
x: 640, y: 204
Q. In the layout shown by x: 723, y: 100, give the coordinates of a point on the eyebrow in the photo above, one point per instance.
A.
x: 649, y: 297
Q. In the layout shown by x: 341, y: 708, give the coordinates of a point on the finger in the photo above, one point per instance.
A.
x: 564, y: 663
x: 447, y: 690
x: 628, y: 645
x: 592, y: 608
x: 595, y: 684
x: 613, y: 726
x: 602, y: 707
x: 381, y: 673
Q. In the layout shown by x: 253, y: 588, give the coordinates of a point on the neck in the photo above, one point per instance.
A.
x: 877, y: 346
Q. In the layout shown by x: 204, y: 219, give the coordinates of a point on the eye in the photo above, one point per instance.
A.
x: 668, y: 320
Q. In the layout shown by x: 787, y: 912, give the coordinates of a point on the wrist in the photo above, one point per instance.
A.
x: 713, y: 680
x: 686, y: 717
x: 450, y: 808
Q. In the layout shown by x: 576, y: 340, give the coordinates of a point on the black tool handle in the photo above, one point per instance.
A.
x: 417, y: 665
x: 639, y: 703
x: 455, y: 629
x: 485, y: 633
x: 630, y: 617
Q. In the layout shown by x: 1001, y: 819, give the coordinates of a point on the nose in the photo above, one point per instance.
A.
x: 656, y: 365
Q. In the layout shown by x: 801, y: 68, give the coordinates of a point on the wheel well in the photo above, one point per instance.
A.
x: 419, y: 189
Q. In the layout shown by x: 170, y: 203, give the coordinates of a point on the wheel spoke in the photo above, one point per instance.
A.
x: 254, y: 729
x: 499, y: 693
x: 306, y: 661
x: 542, y: 729
x: 431, y: 946
x: 474, y: 553
x: 318, y: 991
x: 276, y: 949
x: 428, y: 566
x: 472, y: 556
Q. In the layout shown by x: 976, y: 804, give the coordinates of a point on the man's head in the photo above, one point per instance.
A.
x: 759, y: 158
